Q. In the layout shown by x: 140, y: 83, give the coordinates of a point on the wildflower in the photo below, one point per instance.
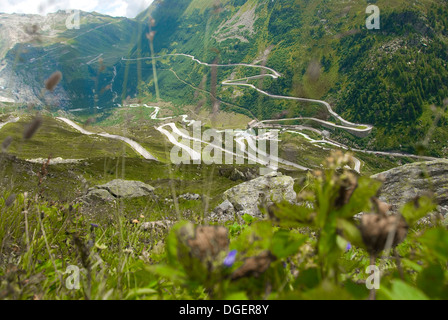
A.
x: 348, y: 183
x: 208, y: 242
x: 348, y: 247
x: 376, y: 228
x: 254, y: 266
x: 230, y: 259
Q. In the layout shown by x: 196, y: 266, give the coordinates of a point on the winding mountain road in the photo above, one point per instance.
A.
x: 134, y: 145
x: 345, y: 125
x: 273, y: 74
x: 245, y: 135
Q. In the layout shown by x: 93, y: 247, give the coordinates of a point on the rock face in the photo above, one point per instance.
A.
x: 404, y: 183
x: 119, y: 189
x: 246, y: 197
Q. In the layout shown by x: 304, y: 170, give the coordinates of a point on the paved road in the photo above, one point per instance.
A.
x: 9, y: 121
x: 134, y: 145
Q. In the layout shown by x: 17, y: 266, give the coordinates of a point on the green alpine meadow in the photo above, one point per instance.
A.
x: 211, y: 150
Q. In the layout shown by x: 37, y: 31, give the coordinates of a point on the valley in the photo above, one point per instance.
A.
x: 225, y: 150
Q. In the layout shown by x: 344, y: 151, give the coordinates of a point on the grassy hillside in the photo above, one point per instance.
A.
x: 56, y: 139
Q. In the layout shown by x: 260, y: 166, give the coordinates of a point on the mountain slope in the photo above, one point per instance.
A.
x: 387, y: 77
x: 38, y: 46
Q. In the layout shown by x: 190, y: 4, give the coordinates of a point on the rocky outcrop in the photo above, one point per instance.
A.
x: 403, y: 184
x: 190, y: 196
x: 246, y: 197
x: 161, y: 225
x: 234, y: 174
x: 119, y: 188
x: 57, y: 160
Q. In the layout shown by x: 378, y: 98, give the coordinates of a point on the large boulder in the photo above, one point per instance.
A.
x: 119, y: 188
x: 246, y: 197
x: 403, y: 184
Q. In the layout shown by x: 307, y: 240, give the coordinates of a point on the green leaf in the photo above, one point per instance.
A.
x: 286, y: 243
x: 411, y: 264
x: 415, y: 210
x: 360, y: 200
x: 166, y: 271
x: 255, y: 238
x: 351, y: 232
x: 171, y: 243
x: 327, y: 246
x: 436, y: 242
x: 327, y: 291
x: 248, y: 218
x: 432, y: 281
x: 307, y: 279
x: 341, y: 242
x: 358, y: 291
x: 294, y: 215
x: 402, y: 291
x: 237, y: 296
x: 100, y: 246
x: 134, y: 293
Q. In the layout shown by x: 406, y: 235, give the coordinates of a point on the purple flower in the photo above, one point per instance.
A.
x: 230, y: 259
x: 348, y: 247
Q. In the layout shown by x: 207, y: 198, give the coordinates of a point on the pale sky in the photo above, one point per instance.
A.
x: 115, y: 8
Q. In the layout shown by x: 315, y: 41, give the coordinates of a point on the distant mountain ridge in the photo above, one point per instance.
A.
x: 34, y: 46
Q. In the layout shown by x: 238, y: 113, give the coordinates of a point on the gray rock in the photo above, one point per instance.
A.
x: 403, y: 184
x: 157, y: 225
x: 190, y: 196
x: 127, y: 188
x: 99, y: 195
x: 226, y: 206
x: 224, y: 212
x: 246, y: 197
x: 237, y: 175
x: 119, y: 189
